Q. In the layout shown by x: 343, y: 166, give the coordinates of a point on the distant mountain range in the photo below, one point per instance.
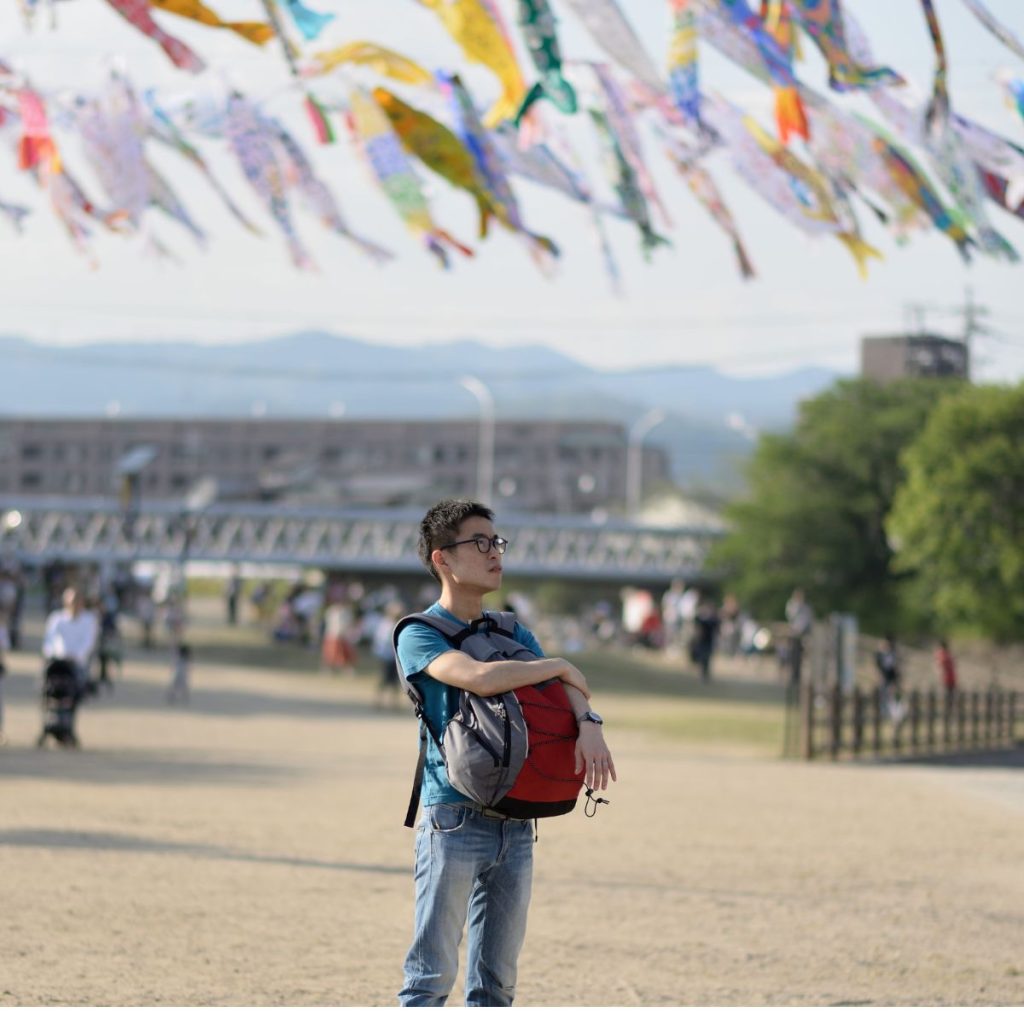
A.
x: 711, y: 418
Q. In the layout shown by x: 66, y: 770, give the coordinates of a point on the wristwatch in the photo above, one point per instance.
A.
x: 591, y: 716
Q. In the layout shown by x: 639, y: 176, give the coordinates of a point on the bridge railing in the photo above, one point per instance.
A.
x: 375, y: 540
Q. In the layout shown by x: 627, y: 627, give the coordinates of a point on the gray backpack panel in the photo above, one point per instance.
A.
x: 484, y: 745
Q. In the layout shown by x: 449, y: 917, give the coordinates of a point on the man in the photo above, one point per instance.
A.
x: 471, y: 860
x: 800, y: 618
x: 71, y: 633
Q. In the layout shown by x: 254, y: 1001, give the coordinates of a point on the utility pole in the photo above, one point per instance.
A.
x: 634, y: 458
x: 972, y: 314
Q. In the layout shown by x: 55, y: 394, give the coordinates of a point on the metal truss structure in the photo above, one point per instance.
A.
x: 366, y: 541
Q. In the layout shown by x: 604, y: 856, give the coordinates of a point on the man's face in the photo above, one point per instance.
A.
x: 73, y: 601
x: 467, y: 565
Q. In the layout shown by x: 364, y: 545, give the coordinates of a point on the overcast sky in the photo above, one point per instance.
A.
x: 688, y: 306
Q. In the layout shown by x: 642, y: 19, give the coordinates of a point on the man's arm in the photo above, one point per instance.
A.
x: 488, y: 678
x: 592, y: 753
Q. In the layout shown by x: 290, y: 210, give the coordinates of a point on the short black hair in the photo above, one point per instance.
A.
x: 440, y: 526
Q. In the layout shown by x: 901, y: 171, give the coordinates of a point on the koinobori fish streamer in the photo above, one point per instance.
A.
x: 101, y: 160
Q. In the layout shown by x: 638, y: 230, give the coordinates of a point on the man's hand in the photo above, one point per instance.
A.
x: 593, y: 757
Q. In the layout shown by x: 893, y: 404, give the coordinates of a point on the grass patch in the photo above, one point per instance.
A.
x: 671, y: 701
x: 713, y: 723
x: 632, y: 672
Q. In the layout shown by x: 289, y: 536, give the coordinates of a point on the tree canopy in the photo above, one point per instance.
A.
x: 959, y: 519
x: 818, y: 501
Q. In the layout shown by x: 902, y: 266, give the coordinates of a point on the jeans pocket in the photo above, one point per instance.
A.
x: 447, y: 817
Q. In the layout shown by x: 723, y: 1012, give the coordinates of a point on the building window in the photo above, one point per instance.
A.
x: 31, y: 451
x: 31, y: 480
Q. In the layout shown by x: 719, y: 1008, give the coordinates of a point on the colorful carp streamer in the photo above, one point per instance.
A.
x: 256, y: 32
x: 1014, y: 88
x: 623, y: 180
x: 823, y: 22
x: 936, y: 132
x: 539, y: 32
x: 610, y: 29
x: 683, y: 67
x: 395, y: 175
x: 778, y: 61
x: 1003, y: 34
x: 489, y: 167
x: 309, y: 22
x: 252, y: 142
x: 424, y: 130
x: 699, y: 181
x: 475, y: 26
x: 378, y: 58
x: 439, y: 148
x: 938, y: 106
x: 137, y: 12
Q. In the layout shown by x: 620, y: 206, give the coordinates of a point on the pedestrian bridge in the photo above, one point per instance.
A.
x: 367, y: 541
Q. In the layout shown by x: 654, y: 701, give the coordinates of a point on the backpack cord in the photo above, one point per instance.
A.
x: 590, y: 807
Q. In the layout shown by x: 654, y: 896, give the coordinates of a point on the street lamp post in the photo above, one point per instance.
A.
x: 485, y: 456
x: 634, y: 457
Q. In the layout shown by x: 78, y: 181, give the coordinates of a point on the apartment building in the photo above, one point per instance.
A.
x: 566, y: 467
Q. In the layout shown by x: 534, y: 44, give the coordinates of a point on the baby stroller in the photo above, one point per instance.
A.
x: 62, y: 693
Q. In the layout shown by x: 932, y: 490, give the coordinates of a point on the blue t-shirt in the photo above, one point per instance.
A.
x: 418, y: 646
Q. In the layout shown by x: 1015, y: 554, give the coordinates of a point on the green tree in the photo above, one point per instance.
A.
x: 959, y: 517
x: 817, y: 501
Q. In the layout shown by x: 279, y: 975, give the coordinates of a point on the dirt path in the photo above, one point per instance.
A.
x: 249, y: 850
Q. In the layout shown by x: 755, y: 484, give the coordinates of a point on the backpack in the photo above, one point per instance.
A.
x: 513, y: 752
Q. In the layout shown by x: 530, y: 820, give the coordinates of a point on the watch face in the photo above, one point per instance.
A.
x: 593, y: 716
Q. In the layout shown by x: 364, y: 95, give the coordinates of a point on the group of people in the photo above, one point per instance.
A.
x: 336, y: 617
x: 82, y: 629
x: 890, y: 676
x: 689, y: 620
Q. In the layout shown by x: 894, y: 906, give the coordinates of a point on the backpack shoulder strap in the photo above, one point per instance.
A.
x: 456, y: 634
x: 502, y: 622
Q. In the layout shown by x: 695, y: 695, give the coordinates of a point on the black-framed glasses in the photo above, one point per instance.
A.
x: 483, y: 544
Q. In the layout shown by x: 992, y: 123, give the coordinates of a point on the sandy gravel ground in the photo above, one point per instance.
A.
x: 248, y: 850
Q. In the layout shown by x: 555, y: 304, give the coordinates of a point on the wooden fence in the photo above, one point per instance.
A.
x: 835, y: 722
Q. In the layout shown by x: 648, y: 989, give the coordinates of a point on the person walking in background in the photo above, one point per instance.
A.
x: 800, y: 618
x: 145, y: 609
x: 705, y: 631
x: 946, y: 666
x: 671, y: 614
x: 337, y: 651
x: 730, y: 628
x: 384, y: 652
x: 175, y: 619
x: 232, y: 592
x: 5, y: 646
x: 110, y: 637
x: 688, y: 602
x: 71, y: 633
x: 888, y: 666
x: 12, y: 599
x: 179, y: 688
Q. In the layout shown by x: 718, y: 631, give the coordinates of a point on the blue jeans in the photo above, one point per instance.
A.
x: 468, y: 863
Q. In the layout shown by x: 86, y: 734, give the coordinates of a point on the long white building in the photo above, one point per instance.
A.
x: 562, y: 467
